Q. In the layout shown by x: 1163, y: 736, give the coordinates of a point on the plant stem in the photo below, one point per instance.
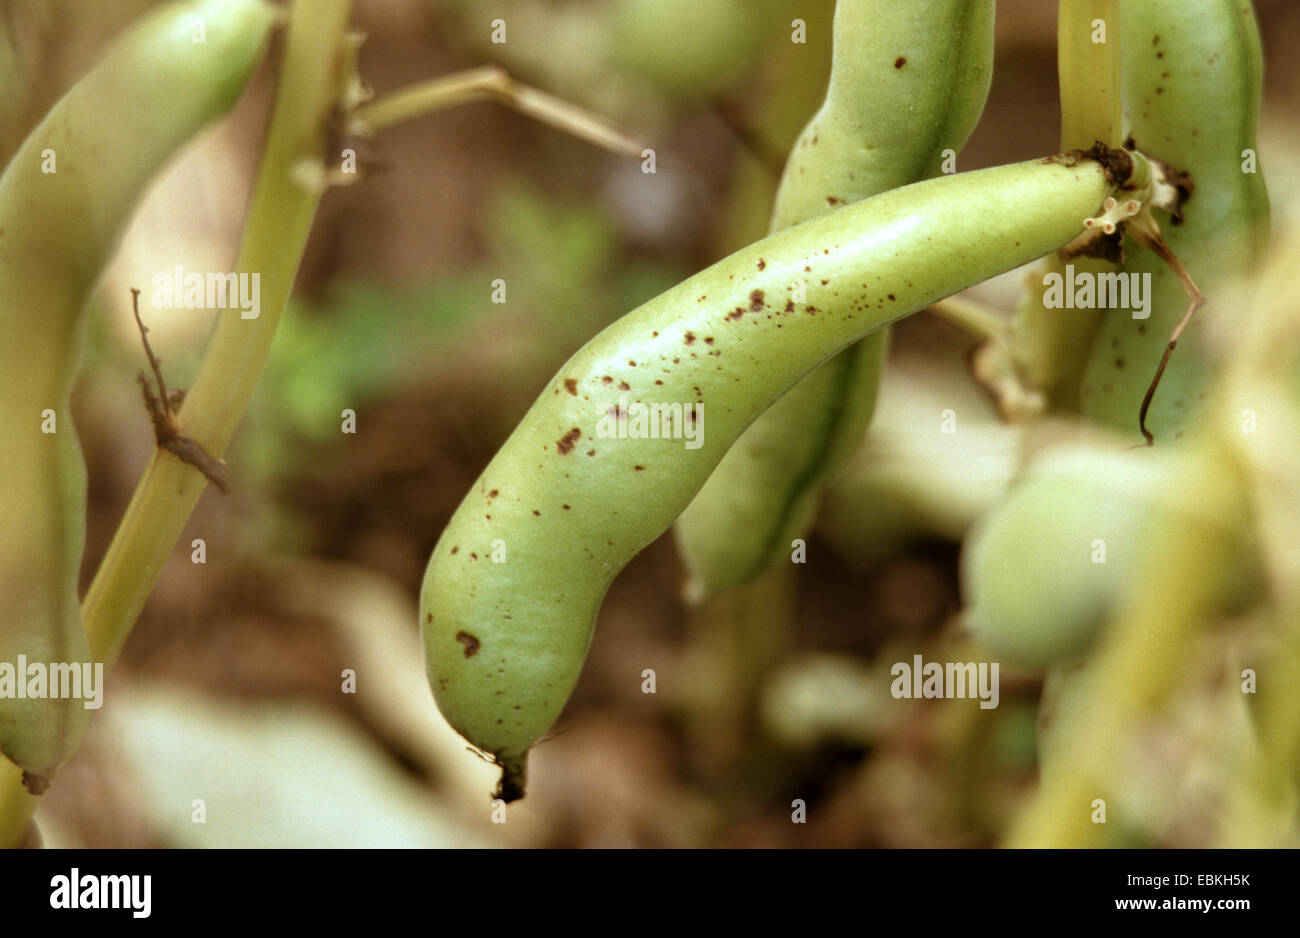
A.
x: 16, y: 805
x: 734, y: 640
x: 973, y: 318
x: 1089, y: 74
x: 1052, y: 346
x: 491, y: 83
x: 275, y: 234
x: 1265, y: 790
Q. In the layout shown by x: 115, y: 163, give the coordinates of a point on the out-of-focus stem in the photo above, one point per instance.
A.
x: 492, y: 83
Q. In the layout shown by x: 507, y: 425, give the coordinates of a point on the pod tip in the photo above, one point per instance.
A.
x: 514, y: 773
x: 35, y: 784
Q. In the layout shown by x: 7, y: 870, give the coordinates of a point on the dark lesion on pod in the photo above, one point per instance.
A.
x: 471, y: 643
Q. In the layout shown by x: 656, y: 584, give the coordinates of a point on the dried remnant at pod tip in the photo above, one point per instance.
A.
x: 907, y: 86
x: 65, y: 199
x: 520, y: 571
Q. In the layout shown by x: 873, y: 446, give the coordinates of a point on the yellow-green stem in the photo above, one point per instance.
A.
x: 1089, y: 73
x: 973, y: 318
x: 1265, y: 791
x: 1053, y: 344
x: 275, y: 234
x: 16, y: 804
x: 491, y: 83
x: 735, y: 639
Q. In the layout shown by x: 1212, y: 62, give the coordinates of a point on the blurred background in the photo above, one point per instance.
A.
x: 229, y: 692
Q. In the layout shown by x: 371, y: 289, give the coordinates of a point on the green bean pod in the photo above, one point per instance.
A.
x: 511, y: 592
x: 1045, y: 569
x: 688, y: 50
x: 907, y: 82
x: 154, y: 89
x: 1192, y: 85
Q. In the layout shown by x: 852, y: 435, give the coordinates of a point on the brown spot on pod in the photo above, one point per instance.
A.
x: 565, y: 444
x: 471, y: 643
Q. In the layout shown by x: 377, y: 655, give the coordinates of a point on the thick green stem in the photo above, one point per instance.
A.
x: 1089, y: 73
x: 275, y: 234
x: 1052, y: 345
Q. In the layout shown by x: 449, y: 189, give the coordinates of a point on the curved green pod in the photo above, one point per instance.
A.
x: 908, y: 81
x: 1192, y: 85
x: 65, y: 199
x: 512, y: 589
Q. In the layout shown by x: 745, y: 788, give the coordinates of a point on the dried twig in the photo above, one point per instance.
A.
x: 166, y: 426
